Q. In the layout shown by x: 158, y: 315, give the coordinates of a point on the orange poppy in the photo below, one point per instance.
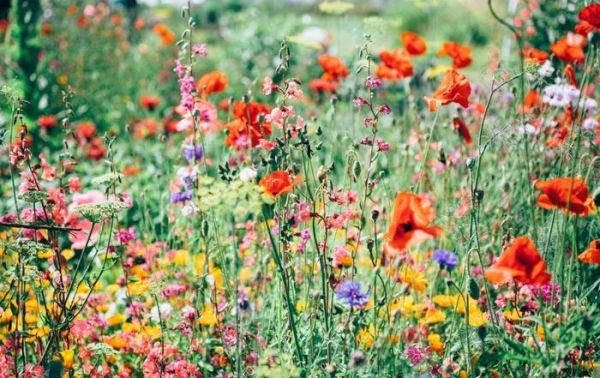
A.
x: 411, y: 222
x: 47, y: 121
x: 278, y: 183
x: 85, y: 130
x: 150, y: 102
x: 532, y: 102
x: 333, y: 67
x: 570, y: 74
x: 535, y: 56
x: 570, y: 48
x: 413, y: 44
x: 323, y: 85
x: 212, y: 82
x: 395, y: 65
x: 462, y: 129
x: 454, y: 88
x: 461, y: 55
x: 520, y: 261
x: 247, y: 119
x: 556, y: 195
x: 592, y: 254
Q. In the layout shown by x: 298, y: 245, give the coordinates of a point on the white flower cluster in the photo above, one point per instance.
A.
x: 562, y: 95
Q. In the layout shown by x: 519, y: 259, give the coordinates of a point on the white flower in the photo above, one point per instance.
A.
x: 528, y: 129
x: 546, y: 70
x: 189, y: 210
x: 560, y: 95
x: 590, y: 123
x: 163, y: 311
x: 248, y: 174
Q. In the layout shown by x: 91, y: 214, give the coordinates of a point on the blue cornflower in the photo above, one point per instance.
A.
x: 181, y: 196
x: 191, y: 152
x: 445, y: 258
x: 350, y: 292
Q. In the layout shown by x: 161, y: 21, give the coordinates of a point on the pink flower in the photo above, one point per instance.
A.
x: 200, y: 50
x: 267, y: 86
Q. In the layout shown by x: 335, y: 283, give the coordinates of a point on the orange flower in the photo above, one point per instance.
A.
x: 531, y: 103
x: 95, y: 149
x: 333, y: 67
x: 47, y: 122
x: 278, y: 183
x: 556, y: 195
x: 570, y: 48
x: 323, y: 85
x: 462, y: 129
x: 212, y: 82
x: 413, y: 44
x: 520, y: 261
x: 150, y: 102
x: 454, y: 88
x: 85, y: 130
x: 246, y: 121
x: 535, y: 56
x: 395, y: 65
x: 570, y: 74
x: 592, y: 254
x: 411, y: 222
x: 461, y: 55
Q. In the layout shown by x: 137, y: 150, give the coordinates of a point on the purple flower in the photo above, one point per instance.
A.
x: 385, y: 109
x: 445, y: 258
x: 382, y: 145
x: 350, y: 292
x: 191, y: 152
x: 181, y: 196
x: 359, y: 101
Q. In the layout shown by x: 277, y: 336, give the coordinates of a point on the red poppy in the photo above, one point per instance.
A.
x: 413, y: 43
x: 454, y: 88
x: 591, y: 15
x: 462, y: 129
x: 535, y: 56
x: 247, y: 120
x: 461, y: 55
x: 95, y: 149
x: 278, y: 183
x: 212, y: 82
x: 395, y: 65
x: 333, y: 67
x: 521, y: 262
x: 592, y: 254
x: 570, y: 48
x: 47, y: 122
x: 411, y: 222
x: 570, y: 74
x: 323, y: 85
x: 556, y: 195
x: 149, y: 102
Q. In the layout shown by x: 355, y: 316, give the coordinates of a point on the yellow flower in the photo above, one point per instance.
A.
x: 477, y: 318
x: 366, y: 336
x: 67, y: 254
x: 67, y: 357
x: 432, y: 317
x: 208, y: 317
x: 436, y: 343
x: 245, y: 274
x: 45, y: 254
x: 415, y: 280
x: 302, y: 306
x: 116, y: 341
x: 182, y: 257
x: 116, y: 319
x: 512, y: 315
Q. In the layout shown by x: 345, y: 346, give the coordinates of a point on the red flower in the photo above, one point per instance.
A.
x: 95, y: 149
x: 454, y: 88
x: 278, y: 183
x: 150, y: 102
x: 411, y: 222
x: 247, y: 121
x: 85, y: 130
x: 461, y: 128
x: 536, y: 56
x: 592, y: 254
x: 521, y: 262
x: 413, y: 44
x: 461, y: 55
x: 591, y: 15
x: 556, y: 195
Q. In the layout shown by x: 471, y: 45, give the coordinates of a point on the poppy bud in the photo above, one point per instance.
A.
x: 442, y: 157
x: 370, y: 244
x: 470, y: 163
x: 374, y: 214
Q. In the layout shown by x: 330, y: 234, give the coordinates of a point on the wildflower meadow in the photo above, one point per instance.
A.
x: 299, y: 188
